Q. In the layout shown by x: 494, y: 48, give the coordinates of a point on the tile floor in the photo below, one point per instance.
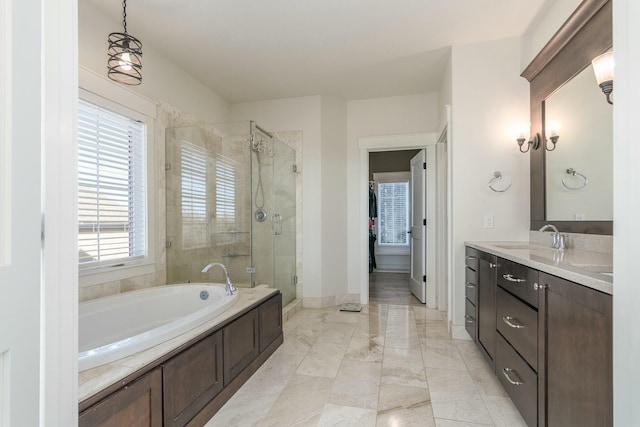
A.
x: 390, y: 365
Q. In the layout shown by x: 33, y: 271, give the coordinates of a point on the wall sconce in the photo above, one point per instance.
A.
x: 125, y: 55
x: 552, y: 130
x: 603, y: 69
x: 533, y: 142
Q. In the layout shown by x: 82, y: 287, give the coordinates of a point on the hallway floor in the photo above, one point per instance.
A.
x: 390, y: 365
x: 391, y: 288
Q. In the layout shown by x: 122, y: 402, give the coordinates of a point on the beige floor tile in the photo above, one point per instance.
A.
x: 454, y: 396
x: 301, y: 402
x: 503, y: 412
x: 357, y: 384
x: 403, y: 366
x: 364, y: 348
x: 439, y: 353
x: 451, y: 423
x: 345, y: 416
x: 389, y: 365
x: 400, y: 405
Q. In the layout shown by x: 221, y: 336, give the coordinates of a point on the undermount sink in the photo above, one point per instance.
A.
x: 595, y: 268
x: 523, y: 246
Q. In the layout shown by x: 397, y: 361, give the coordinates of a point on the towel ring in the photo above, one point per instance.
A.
x: 497, y: 177
x: 572, y: 172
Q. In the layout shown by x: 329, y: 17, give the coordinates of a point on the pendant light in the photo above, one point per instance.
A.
x: 125, y: 55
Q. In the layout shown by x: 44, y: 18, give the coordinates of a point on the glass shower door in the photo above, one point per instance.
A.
x: 283, y: 221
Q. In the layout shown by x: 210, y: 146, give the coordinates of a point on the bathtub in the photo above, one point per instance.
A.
x: 117, y: 326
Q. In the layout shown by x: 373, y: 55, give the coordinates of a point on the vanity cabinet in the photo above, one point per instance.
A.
x: 552, y: 343
x: 471, y: 285
x: 139, y: 403
x: 577, y: 348
x: 487, y: 305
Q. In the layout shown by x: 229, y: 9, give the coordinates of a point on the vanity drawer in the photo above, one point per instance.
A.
x: 470, y: 285
x: 470, y: 323
x: 519, y: 280
x: 518, y: 379
x: 518, y: 323
x: 471, y: 258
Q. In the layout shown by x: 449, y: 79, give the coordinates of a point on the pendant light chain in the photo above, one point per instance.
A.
x: 124, y: 15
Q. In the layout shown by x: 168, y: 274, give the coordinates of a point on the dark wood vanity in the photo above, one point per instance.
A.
x: 548, y: 340
x: 190, y: 384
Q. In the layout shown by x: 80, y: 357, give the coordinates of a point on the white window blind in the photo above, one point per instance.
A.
x: 111, y: 187
x: 193, y: 162
x: 393, y: 215
x: 225, y: 200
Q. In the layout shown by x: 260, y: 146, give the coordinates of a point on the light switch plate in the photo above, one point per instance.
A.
x: 488, y: 221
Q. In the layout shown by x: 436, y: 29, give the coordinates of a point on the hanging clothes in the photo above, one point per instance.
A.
x: 372, y: 255
x: 373, y: 203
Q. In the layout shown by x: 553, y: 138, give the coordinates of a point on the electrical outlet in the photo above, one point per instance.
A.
x: 580, y: 217
x: 488, y: 221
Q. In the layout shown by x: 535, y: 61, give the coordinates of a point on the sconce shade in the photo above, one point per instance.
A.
x: 125, y: 59
x: 125, y: 55
x: 603, y: 69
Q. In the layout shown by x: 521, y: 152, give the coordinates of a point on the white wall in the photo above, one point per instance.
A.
x: 444, y: 93
x: 488, y: 98
x: 372, y: 117
x: 162, y: 80
x: 303, y: 114
x: 626, y: 297
x: 544, y: 26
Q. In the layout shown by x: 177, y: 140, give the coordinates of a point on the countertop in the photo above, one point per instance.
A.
x: 583, y: 267
x: 93, y: 380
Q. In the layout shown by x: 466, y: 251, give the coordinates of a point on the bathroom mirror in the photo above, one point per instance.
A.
x: 586, y: 34
x: 579, y: 170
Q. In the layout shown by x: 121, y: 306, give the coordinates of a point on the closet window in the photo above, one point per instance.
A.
x: 393, y: 213
x: 112, y: 187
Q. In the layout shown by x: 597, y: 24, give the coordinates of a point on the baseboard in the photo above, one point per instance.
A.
x: 458, y: 332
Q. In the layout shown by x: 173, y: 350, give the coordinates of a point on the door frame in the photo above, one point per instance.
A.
x: 426, y: 141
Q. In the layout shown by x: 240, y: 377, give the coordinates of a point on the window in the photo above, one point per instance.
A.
x: 112, y: 189
x: 193, y: 179
x: 225, y: 201
x: 393, y: 213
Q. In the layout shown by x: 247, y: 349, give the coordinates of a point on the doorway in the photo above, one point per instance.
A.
x: 391, y: 243
x: 390, y: 143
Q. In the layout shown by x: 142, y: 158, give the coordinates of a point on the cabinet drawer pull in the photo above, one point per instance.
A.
x: 513, y: 323
x: 470, y: 285
x: 469, y: 319
x: 507, y: 372
x: 539, y: 287
x: 492, y: 265
x: 511, y: 278
x: 470, y: 258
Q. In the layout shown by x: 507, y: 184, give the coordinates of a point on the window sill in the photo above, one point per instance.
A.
x: 110, y: 274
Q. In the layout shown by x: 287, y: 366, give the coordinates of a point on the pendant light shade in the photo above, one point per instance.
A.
x: 125, y: 55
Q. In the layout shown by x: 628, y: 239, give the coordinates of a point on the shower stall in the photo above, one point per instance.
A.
x: 231, y: 198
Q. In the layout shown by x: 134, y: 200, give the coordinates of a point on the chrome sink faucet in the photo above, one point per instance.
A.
x: 229, y: 289
x: 559, y: 240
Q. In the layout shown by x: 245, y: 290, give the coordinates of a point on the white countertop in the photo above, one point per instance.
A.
x: 93, y: 380
x: 583, y: 267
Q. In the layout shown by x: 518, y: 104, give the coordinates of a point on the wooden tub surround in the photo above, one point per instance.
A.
x: 185, y: 381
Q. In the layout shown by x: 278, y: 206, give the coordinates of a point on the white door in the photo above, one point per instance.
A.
x: 418, y: 283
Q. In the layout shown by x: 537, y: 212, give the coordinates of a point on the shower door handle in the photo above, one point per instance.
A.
x: 276, y: 224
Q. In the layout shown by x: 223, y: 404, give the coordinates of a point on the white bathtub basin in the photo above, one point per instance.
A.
x: 117, y: 326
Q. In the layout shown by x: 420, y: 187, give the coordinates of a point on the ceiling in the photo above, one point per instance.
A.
x: 247, y: 50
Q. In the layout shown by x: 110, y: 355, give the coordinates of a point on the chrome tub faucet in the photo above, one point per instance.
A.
x: 229, y: 288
